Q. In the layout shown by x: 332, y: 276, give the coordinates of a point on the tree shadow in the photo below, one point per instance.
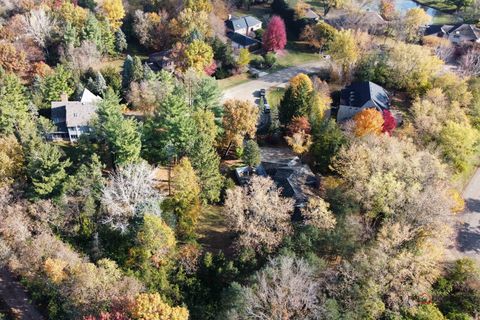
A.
x: 468, y: 238
x: 472, y: 205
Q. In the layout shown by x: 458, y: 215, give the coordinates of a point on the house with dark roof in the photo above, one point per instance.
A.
x: 243, y: 25
x: 295, y: 179
x: 361, y: 95
x: 240, y: 41
x: 162, y: 60
x: 72, y: 118
x: 457, y: 34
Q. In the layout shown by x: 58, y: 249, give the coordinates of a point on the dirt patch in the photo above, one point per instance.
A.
x: 213, y: 232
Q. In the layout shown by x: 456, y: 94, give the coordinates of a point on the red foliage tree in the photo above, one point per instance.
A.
x: 209, y: 70
x: 275, y: 37
x: 389, y: 122
x: 299, y: 124
x: 108, y: 316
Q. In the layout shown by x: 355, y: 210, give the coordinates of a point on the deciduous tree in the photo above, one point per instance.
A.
x: 114, y: 12
x: 198, y: 55
x: 239, y: 120
x: 389, y: 122
x: 368, y: 121
x: 150, y: 306
x: 258, y: 214
x: 344, y: 50
x: 275, y: 37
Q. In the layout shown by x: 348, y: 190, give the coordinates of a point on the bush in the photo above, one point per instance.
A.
x: 270, y: 59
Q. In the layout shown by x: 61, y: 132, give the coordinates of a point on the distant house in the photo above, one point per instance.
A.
x: 359, y: 96
x: 457, y: 34
x: 368, y: 21
x: 295, y: 179
x: 243, y: 25
x: 311, y: 15
x: 72, y: 118
x: 161, y: 60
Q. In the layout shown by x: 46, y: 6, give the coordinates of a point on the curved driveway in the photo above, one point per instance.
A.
x: 249, y: 90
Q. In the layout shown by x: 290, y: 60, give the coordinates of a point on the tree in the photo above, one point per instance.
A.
x: 414, y: 19
x: 152, y: 29
x: 114, y: 12
x: 198, y: 55
x: 120, y: 135
x: 275, y: 37
x: 239, y: 120
x: 206, y: 95
x: 204, y: 157
x: 319, y: 35
x: 460, y: 4
x: 145, y: 95
x: 185, y: 198
x: 120, y: 41
x: 328, y: 138
x: 285, y: 288
x: 150, y: 306
x: 84, y: 57
x: 154, y: 243
x: 387, y: 9
x: 243, y: 59
x: 258, y: 214
x: 470, y: 63
x: 300, y: 142
x: 459, y: 142
x: 251, y: 154
x: 39, y: 26
x: 317, y: 214
x: 389, y: 122
x: 168, y: 133
x: 344, y: 50
x: 190, y: 22
x: 13, y: 103
x: 129, y: 194
x: 11, y: 59
x: 11, y: 160
x: 368, y: 121
x: 298, y: 98
x: 55, y: 84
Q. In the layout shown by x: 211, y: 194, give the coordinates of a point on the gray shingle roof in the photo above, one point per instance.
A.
x: 358, y: 93
x: 74, y: 113
x: 247, y: 22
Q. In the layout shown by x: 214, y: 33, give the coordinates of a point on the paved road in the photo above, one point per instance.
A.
x: 467, y: 242
x: 16, y: 298
x: 249, y: 90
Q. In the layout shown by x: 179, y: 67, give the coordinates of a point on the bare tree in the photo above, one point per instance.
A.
x: 285, y: 289
x: 39, y: 25
x: 259, y: 214
x: 470, y: 63
x: 85, y: 56
x: 129, y: 194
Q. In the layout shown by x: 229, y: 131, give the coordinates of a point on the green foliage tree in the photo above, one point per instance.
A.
x: 328, y: 138
x: 251, y: 154
x: 460, y: 4
x: 55, y: 84
x: 459, y: 142
x: 13, y: 103
x: 120, y: 41
x: 168, y: 133
x: 120, y: 135
x: 206, y: 95
x: 127, y: 71
x: 204, y: 157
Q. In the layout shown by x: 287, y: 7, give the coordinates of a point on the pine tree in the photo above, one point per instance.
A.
x: 120, y: 135
x: 55, y: 84
x: 204, y: 157
x: 298, y: 99
x: 137, y: 69
x: 251, y: 154
x: 127, y: 72
x: 92, y: 31
x: 207, y: 96
x: 99, y: 85
x: 70, y: 35
x: 120, y: 41
x: 13, y: 102
x: 169, y: 132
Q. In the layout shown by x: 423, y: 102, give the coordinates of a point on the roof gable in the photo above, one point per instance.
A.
x: 358, y: 94
x: 242, y: 23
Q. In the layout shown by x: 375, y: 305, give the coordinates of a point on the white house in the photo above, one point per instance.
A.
x: 243, y: 25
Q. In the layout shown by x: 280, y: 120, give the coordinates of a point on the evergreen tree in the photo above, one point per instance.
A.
x: 92, y: 31
x: 204, y: 157
x: 207, y: 96
x: 120, y: 41
x: 137, y: 69
x: 55, y: 84
x: 120, y: 135
x: 13, y: 102
x: 169, y: 132
x: 251, y: 154
x: 327, y: 140
x: 298, y: 99
x: 127, y: 72
x: 99, y: 85
x: 106, y: 45
x: 70, y: 35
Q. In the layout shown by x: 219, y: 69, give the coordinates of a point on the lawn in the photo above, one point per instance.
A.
x: 440, y: 5
x: 212, y: 230
x: 233, y: 81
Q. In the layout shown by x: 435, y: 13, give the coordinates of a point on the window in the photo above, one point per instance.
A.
x: 73, y: 136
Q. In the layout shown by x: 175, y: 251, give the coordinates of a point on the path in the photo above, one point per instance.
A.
x: 250, y: 90
x: 16, y: 298
x: 468, y: 223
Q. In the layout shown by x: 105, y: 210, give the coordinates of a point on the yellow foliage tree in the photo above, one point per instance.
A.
x: 368, y: 121
x: 199, y: 5
x: 55, y: 269
x: 244, y: 58
x: 114, y: 12
x: 239, y: 119
x: 150, y: 306
x: 300, y: 142
x: 11, y: 160
x: 189, y: 21
x: 198, y: 55
x: 344, y: 50
x: 414, y: 19
x: 458, y: 202
x: 76, y: 15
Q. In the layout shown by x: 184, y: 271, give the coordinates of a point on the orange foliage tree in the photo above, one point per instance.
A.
x: 368, y: 121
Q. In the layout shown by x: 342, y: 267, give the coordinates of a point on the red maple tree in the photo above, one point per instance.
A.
x: 389, y: 122
x: 275, y: 37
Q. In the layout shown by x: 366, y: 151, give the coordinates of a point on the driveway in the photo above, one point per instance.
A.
x: 249, y: 90
x: 467, y: 242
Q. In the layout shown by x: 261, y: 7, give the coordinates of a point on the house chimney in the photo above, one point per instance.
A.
x: 64, y: 97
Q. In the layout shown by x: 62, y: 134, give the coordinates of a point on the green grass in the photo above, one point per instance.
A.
x: 258, y: 11
x: 440, y: 5
x: 212, y: 230
x: 274, y: 96
x: 233, y: 81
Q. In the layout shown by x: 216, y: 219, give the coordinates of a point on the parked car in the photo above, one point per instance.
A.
x: 262, y: 92
x: 266, y: 108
